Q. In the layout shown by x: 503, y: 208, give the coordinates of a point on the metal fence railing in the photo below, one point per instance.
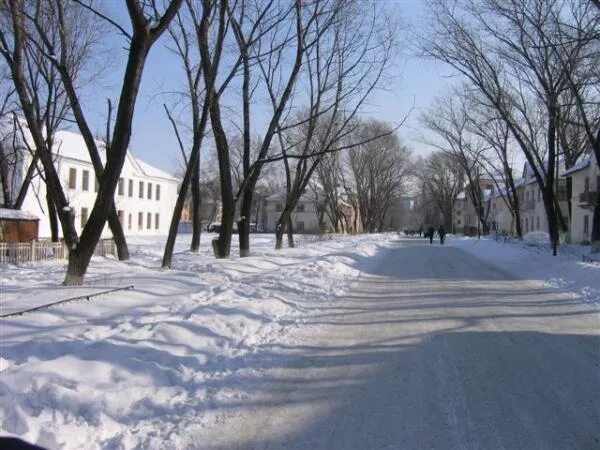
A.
x: 43, y: 250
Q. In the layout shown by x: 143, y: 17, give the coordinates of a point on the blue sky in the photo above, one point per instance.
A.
x: 414, y: 82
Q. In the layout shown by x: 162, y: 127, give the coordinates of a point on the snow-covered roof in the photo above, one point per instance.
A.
x: 69, y: 144
x: 16, y: 214
x: 580, y: 165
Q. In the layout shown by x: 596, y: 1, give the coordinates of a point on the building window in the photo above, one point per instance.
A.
x: 156, y: 220
x: 141, y: 193
x: 129, y: 222
x: 149, y: 191
x: 598, y: 183
x: 96, y: 184
x: 72, y: 178
x: 537, y: 223
x: 586, y: 185
x: 84, y: 217
x: 300, y: 207
x: 149, y: 220
x: 85, y: 180
x: 121, y: 216
x: 300, y: 227
x: 458, y: 222
x: 130, y: 190
x: 158, y: 192
x: 140, y: 221
x: 539, y: 195
x: 121, y: 187
x: 526, y: 224
x: 458, y: 212
x: 527, y: 195
x: 278, y: 207
x: 586, y: 225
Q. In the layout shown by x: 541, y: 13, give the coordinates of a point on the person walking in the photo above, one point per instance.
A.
x: 442, y: 233
x: 430, y: 232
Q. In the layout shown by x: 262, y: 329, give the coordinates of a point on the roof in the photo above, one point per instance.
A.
x: 69, y: 144
x: 16, y: 214
x: 580, y: 165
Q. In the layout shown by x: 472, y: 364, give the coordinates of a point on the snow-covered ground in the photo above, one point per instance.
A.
x: 144, y: 368
x: 533, y: 260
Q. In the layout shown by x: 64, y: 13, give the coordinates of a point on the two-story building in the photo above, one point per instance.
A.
x: 144, y: 199
x: 585, y: 176
x: 308, y: 216
x: 531, y: 203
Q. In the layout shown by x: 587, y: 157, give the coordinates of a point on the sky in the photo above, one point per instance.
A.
x: 414, y: 82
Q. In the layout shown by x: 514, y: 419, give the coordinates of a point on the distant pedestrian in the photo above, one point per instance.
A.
x: 430, y: 232
x: 442, y: 233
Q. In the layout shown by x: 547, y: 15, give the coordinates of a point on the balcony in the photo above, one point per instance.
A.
x: 588, y: 199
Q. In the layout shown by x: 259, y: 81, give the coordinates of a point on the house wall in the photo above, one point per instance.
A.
x: 82, y: 200
x: 580, y: 210
x: 499, y: 216
x: 304, y: 221
x: 533, y: 213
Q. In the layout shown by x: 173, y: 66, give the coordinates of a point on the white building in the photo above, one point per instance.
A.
x: 144, y: 199
x: 308, y: 217
x: 585, y: 176
x: 531, y: 204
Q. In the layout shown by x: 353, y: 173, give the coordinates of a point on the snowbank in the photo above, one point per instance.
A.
x: 533, y: 260
x: 143, y: 368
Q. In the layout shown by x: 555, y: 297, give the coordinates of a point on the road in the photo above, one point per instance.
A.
x: 433, y: 349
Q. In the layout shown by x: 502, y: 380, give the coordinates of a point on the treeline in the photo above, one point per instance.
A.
x: 265, y: 82
x: 530, y: 85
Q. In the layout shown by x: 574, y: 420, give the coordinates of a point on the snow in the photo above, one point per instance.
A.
x: 16, y: 214
x: 146, y: 368
x: 532, y: 259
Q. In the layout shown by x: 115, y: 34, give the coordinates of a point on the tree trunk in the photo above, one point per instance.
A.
x: 222, y: 248
x: 117, y: 231
x: 52, y: 217
x: 244, y: 223
x: 196, y: 203
x: 595, y: 237
x: 175, y: 218
x: 552, y: 219
x: 290, y: 232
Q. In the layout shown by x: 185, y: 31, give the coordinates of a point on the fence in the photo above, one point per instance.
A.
x: 43, y: 251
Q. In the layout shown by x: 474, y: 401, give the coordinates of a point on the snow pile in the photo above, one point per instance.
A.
x: 143, y: 368
x: 566, y: 270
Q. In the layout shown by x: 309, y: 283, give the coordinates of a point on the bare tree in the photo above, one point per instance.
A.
x: 35, y: 28
x: 502, y: 48
x: 498, y: 159
x: 147, y: 26
x: 344, y: 67
x: 441, y: 179
x: 380, y: 170
x: 185, y: 46
x: 448, y: 119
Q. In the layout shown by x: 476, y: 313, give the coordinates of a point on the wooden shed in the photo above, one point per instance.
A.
x: 18, y: 226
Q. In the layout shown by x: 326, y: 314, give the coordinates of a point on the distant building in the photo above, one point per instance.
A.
x: 401, y: 215
x: 144, y: 198
x: 308, y: 216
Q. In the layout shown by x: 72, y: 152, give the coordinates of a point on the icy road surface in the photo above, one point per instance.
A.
x: 432, y: 350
